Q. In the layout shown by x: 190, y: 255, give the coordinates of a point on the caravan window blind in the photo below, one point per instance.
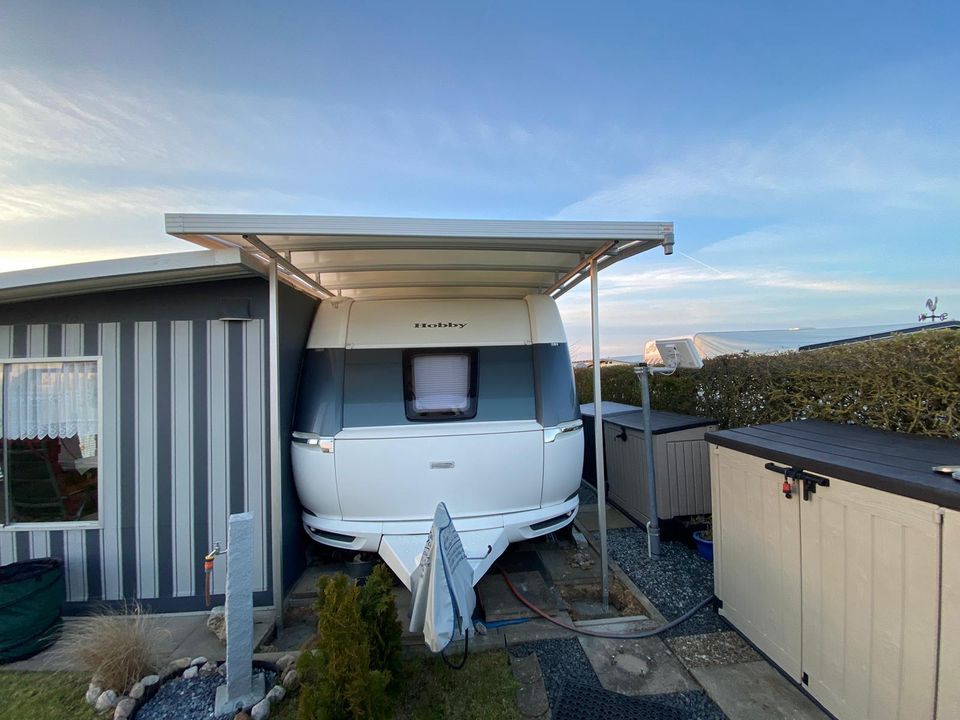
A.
x: 440, y: 385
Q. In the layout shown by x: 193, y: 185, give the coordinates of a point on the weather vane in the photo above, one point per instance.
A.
x: 932, y: 307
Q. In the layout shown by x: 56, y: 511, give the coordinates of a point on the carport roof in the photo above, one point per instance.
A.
x: 378, y: 258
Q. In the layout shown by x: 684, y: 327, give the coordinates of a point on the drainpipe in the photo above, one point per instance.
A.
x: 276, y: 490
x: 598, y: 434
x: 653, y: 523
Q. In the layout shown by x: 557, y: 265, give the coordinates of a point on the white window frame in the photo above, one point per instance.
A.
x: 61, y: 524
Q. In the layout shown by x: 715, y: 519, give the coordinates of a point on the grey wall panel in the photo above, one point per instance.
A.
x: 296, y: 313
x: 126, y: 518
x: 183, y: 554
x: 182, y: 446
x: 218, y: 461
x: 144, y: 519
x: 255, y: 419
x: 110, y: 514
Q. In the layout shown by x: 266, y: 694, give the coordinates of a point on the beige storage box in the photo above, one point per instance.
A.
x: 833, y: 557
x: 680, y: 457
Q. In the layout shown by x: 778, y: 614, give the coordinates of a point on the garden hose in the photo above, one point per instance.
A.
x: 463, y: 660
x: 611, y: 636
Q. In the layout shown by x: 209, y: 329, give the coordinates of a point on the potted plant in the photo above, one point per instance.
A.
x: 704, y: 542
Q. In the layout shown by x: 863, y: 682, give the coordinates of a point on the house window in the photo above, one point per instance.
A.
x: 49, y: 441
x: 440, y: 384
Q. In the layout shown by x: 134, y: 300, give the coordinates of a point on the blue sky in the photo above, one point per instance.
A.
x: 809, y: 153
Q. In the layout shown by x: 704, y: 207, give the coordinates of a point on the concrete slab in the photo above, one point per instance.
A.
x: 636, y: 667
x: 590, y: 520
x: 195, y: 639
x: 532, y: 699
x: 570, y: 565
x: 755, y: 691
x: 500, y: 604
x: 722, y: 648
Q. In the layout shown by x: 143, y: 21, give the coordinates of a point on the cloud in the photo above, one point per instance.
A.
x: 858, y: 170
x: 27, y: 203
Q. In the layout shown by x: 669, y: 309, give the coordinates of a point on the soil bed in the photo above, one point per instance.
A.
x: 583, y: 601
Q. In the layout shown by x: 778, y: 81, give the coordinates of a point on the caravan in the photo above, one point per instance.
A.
x: 404, y: 404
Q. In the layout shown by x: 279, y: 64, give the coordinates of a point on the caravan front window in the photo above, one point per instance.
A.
x: 440, y: 384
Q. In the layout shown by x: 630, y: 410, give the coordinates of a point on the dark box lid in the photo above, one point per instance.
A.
x: 894, y: 462
x: 661, y: 421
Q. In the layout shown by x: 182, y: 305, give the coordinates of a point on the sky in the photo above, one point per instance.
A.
x: 808, y: 153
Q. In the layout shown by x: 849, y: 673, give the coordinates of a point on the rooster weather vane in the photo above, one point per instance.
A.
x: 932, y: 307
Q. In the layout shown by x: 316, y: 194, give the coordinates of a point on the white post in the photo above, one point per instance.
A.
x: 242, y: 688
x: 276, y: 490
x: 598, y: 433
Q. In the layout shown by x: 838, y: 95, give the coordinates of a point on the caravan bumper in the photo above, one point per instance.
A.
x: 401, y: 542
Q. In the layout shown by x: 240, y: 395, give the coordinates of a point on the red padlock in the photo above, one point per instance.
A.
x: 787, y: 489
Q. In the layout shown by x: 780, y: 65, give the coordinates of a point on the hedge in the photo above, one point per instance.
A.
x: 907, y: 383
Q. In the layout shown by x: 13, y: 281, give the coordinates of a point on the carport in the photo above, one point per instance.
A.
x: 411, y: 258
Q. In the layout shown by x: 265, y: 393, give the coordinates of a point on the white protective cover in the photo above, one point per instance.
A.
x: 759, y: 342
x: 442, y: 586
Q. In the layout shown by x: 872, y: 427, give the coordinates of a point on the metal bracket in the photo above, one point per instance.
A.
x: 809, y: 480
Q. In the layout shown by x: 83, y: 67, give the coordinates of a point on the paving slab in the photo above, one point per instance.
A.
x: 755, y: 691
x: 721, y: 648
x: 589, y: 519
x: 532, y: 699
x: 636, y: 667
x: 564, y: 566
x: 499, y: 602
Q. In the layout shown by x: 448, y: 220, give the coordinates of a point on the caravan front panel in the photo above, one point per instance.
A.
x: 407, y: 403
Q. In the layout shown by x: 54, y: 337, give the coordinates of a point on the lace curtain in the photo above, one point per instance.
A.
x: 51, y: 400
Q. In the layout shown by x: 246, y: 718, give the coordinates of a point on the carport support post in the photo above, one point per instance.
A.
x: 276, y: 490
x: 598, y: 434
x: 653, y: 524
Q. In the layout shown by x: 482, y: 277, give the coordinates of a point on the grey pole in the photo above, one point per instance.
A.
x: 598, y: 434
x: 653, y: 524
x: 276, y: 491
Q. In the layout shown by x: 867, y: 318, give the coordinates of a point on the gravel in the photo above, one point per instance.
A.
x: 585, y: 702
x: 675, y: 582
x: 695, y: 704
x: 192, y: 699
x: 560, y: 661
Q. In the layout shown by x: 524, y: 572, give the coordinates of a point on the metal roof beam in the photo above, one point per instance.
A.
x: 284, y: 264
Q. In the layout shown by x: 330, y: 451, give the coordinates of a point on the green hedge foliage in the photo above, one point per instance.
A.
x: 908, y: 383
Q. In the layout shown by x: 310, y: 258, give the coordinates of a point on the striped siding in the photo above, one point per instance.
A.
x: 184, y: 424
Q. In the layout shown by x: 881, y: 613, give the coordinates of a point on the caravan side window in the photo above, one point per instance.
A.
x: 440, y: 384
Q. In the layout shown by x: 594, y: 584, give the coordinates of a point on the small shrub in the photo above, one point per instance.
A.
x: 119, y: 646
x: 349, y: 672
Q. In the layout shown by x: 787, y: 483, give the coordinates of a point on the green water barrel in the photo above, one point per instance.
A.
x: 32, y: 594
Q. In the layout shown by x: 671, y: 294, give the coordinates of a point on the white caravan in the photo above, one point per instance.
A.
x: 407, y: 403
